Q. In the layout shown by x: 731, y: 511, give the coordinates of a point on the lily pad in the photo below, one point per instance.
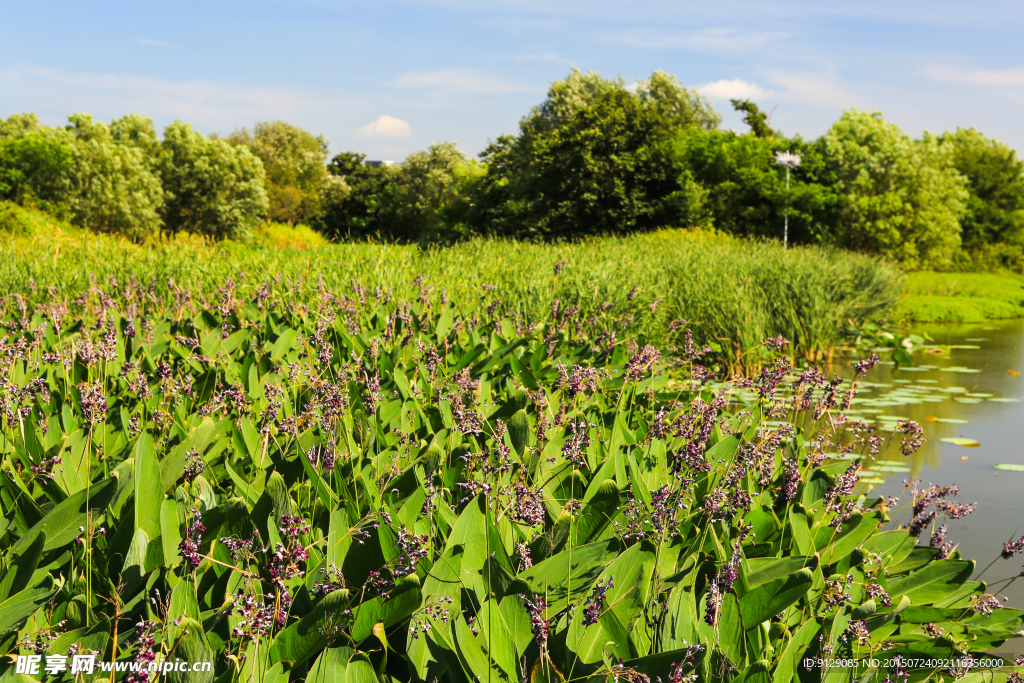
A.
x: 959, y: 441
x: 1011, y: 467
x: 952, y: 420
x: 1004, y: 399
x: 890, y: 469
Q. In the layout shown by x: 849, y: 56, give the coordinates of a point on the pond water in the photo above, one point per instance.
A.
x: 968, y: 383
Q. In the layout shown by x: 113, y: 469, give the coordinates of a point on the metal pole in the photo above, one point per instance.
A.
x: 785, y: 229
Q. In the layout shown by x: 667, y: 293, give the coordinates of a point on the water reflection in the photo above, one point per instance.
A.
x: 972, y: 390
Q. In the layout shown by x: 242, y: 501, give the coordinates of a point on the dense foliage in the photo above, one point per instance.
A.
x: 121, y: 179
x: 733, y: 292
x: 900, y: 197
x: 594, y: 158
x: 299, y: 187
x: 993, y: 226
x: 383, y: 490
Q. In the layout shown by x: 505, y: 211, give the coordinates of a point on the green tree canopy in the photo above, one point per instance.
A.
x: 595, y: 158
x: 754, y: 117
x: 901, y: 198
x: 994, y: 220
x: 210, y: 187
x: 295, y: 163
x: 113, y: 187
x: 82, y: 172
x: 367, y: 210
x: 746, y: 189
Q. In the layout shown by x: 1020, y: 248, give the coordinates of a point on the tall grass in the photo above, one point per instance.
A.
x: 732, y: 292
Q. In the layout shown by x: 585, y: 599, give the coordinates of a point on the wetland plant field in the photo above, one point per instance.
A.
x: 416, y: 479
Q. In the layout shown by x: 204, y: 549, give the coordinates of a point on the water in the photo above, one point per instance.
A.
x: 976, y: 381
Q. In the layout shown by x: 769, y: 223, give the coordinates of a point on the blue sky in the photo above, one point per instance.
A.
x: 386, y: 78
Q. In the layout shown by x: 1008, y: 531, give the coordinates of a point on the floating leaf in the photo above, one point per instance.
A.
x: 1010, y: 467
x: 959, y: 441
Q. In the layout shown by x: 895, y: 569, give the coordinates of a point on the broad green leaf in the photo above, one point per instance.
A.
x: 285, y: 343
x: 597, y: 514
x: 567, y: 576
x: 768, y: 599
x: 762, y: 570
x: 304, y: 638
x: 148, y: 496
x: 360, y: 670
x: 330, y: 666
x: 170, y: 534
x: 519, y: 431
x: 19, y: 573
x: 192, y: 647
x: 15, y: 609
x: 62, y: 522
x: 932, y: 582
x: 405, y: 599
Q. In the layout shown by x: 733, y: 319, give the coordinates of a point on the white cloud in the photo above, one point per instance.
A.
x: 153, y: 43
x: 713, y: 40
x: 733, y: 89
x: 995, y: 77
x: 385, y: 126
x: 208, y: 104
x: 813, y: 89
x: 459, y: 81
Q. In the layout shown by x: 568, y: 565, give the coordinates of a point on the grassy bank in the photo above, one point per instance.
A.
x: 733, y: 293
x: 962, y: 297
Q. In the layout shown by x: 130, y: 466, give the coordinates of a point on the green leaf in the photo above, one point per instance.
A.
x: 759, y: 571
x: 285, y: 343
x: 15, y: 609
x: 568, y: 575
x: 148, y: 496
x: 768, y: 599
x: 597, y: 514
x: 323, y: 491
x: 20, y: 570
x: 301, y: 640
x: 405, y: 599
x: 519, y: 431
x: 1010, y: 467
x: 62, y: 522
x: 855, y: 530
x: 360, y: 670
x: 193, y: 647
x: 330, y: 666
x: 932, y: 582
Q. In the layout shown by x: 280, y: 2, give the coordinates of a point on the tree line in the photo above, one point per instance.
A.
x: 595, y: 157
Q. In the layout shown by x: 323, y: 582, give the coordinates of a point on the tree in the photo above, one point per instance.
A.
x: 594, y: 158
x: 81, y: 172
x: 19, y: 125
x: 210, y: 187
x: 994, y: 221
x: 113, y: 188
x: 35, y: 168
x: 745, y: 190
x: 367, y: 209
x: 295, y: 163
x: 675, y: 106
x: 901, y: 198
x: 754, y: 117
x: 431, y: 197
